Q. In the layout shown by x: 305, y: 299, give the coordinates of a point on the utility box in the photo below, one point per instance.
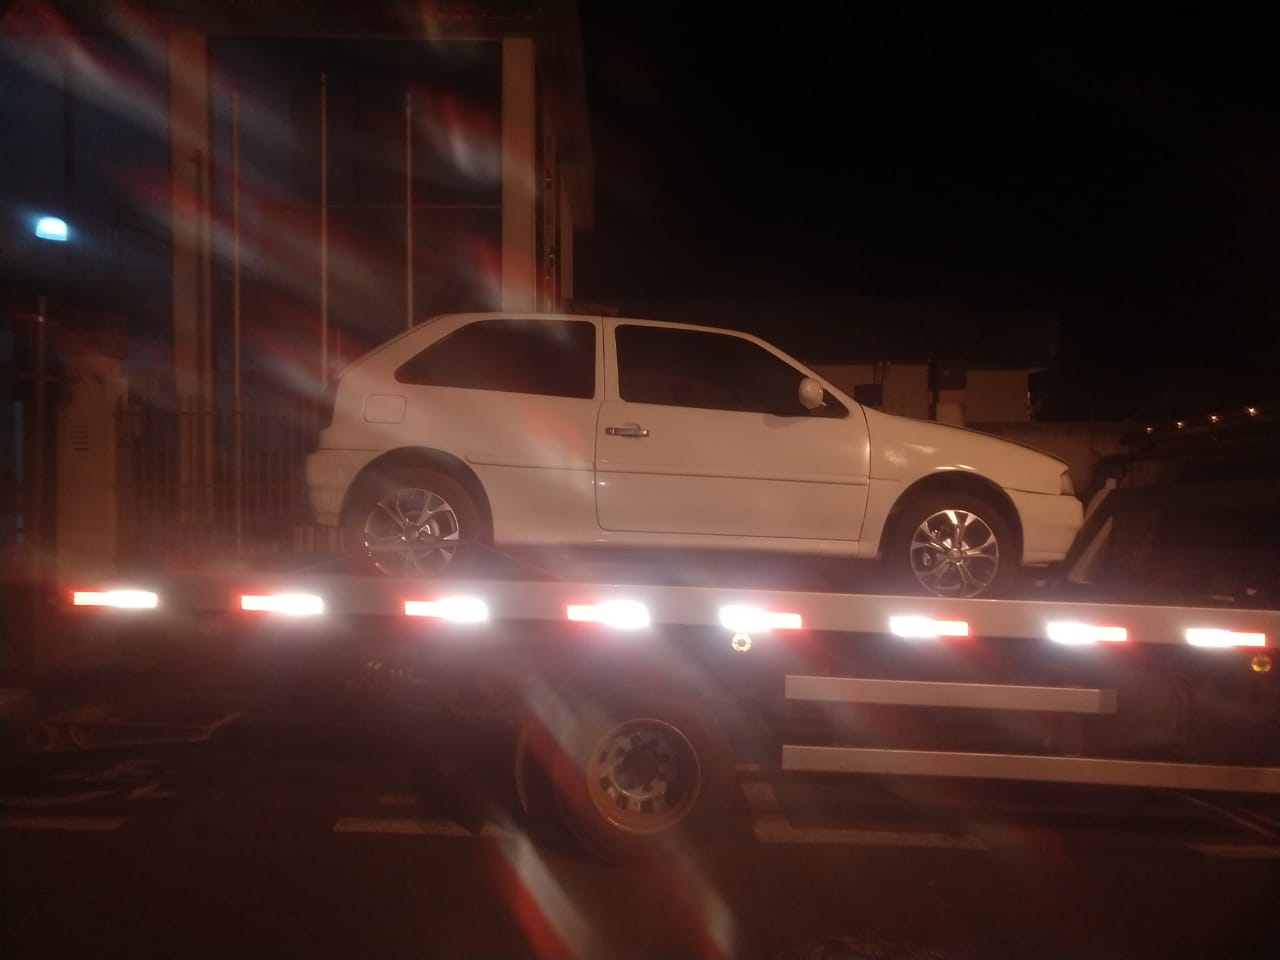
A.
x: 948, y: 379
x: 869, y: 395
x: 87, y: 452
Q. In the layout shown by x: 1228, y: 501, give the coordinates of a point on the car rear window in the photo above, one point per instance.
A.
x: 554, y: 358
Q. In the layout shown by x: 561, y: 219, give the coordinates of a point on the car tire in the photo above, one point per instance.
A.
x: 951, y: 545
x: 634, y: 772
x: 414, y: 522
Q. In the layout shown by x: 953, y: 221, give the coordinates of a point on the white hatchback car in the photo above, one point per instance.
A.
x: 540, y: 429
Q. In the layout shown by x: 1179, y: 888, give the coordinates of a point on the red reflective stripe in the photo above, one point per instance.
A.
x: 927, y: 627
x: 1070, y: 632
x: 621, y: 614
x: 122, y: 599
x: 293, y: 604
x: 745, y: 618
x: 1210, y: 637
x: 458, y: 609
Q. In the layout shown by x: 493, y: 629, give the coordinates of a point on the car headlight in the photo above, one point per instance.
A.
x: 1068, y: 488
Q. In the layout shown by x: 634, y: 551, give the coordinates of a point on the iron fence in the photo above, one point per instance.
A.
x: 199, y: 485
x: 28, y: 390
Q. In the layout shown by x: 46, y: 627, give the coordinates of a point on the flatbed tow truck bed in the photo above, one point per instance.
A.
x: 631, y: 698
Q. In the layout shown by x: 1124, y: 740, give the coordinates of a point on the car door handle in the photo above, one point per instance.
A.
x: 627, y: 430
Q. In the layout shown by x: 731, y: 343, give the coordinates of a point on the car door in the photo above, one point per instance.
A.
x: 702, y: 434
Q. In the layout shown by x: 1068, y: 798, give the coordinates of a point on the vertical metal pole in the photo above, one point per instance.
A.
x: 236, y: 396
x: 408, y: 209
x: 36, y: 528
x: 197, y: 484
x: 324, y: 230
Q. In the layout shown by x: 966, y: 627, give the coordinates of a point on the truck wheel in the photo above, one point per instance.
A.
x: 951, y: 545
x: 636, y: 771
x: 414, y: 522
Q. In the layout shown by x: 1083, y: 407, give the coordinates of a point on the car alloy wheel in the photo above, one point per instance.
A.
x: 412, y: 531
x: 955, y: 553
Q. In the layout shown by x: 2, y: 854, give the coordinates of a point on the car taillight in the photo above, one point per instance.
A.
x: 325, y: 405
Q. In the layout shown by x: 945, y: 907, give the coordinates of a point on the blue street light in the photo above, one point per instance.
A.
x: 52, y: 228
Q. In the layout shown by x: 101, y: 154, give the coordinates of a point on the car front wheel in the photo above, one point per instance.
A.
x: 951, y: 545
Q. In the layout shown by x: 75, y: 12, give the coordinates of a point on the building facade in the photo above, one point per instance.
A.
x: 264, y: 189
x: 251, y: 194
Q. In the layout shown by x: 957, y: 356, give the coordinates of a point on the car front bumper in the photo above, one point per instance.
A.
x: 1050, y: 523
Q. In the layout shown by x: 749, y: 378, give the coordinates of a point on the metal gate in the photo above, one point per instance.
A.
x: 201, y: 484
x: 26, y: 480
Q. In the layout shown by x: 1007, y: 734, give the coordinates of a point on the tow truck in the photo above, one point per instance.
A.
x: 633, y: 703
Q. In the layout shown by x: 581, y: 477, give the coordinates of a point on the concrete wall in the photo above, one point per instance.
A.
x: 995, y: 403
x: 846, y: 376
x: 990, y: 396
x: 997, y: 396
x: 905, y: 386
x: 1081, y: 445
x: 906, y: 390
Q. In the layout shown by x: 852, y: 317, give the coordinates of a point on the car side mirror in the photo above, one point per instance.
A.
x: 811, y: 393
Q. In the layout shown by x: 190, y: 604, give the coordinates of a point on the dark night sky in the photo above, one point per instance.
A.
x: 1123, y: 174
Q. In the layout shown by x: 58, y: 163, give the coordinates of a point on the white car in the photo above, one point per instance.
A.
x: 550, y: 429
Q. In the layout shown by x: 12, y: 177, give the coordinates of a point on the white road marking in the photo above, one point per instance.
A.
x: 1238, y: 851
x: 151, y: 791
x: 77, y: 824
x: 398, y: 799
x: 777, y: 829
x: 408, y: 826
x: 1236, y: 818
x: 64, y: 800
x: 1261, y: 817
x: 131, y: 770
x: 761, y: 798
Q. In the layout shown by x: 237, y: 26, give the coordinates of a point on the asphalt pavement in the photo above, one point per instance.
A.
x: 363, y: 831
x: 294, y: 797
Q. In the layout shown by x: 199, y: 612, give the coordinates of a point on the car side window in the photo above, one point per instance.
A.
x: 553, y: 358
x: 694, y: 368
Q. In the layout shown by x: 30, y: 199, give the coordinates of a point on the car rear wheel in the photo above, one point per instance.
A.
x: 952, y: 545
x: 414, y: 522
x: 634, y: 771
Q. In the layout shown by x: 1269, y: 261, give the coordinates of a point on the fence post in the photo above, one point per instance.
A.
x: 238, y: 468
x: 408, y: 210
x: 324, y: 230
x: 38, y: 525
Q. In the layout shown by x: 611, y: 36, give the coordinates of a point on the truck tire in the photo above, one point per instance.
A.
x: 951, y: 545
x: 414, y: 522
x: 632, y: 772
